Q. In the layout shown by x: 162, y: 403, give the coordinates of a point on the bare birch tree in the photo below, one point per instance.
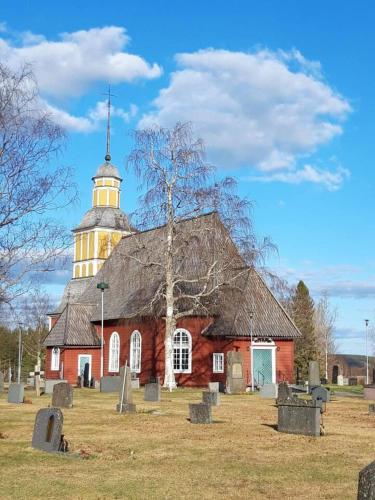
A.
x: 31, y: 186
x: 179, y: 184
x: 324, y: 322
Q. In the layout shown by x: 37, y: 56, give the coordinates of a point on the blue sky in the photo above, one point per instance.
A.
x: 281, y: 92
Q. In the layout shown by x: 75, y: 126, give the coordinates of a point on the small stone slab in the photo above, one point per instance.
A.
x: 269, y: 391
x: 299, y: 416
x: 320, y: 393
x: 1, y: 382
x: 214, y: 386
x: 200, y: 413
x: 49, y: 385
x: 366, y: 483
x: 284, y: 391
x: 211, y: 397
x: 135, y: 383
x: 152, y: 392
x: 62, y: 395
x: 16, y: 393
x: 110, y: 384
x: 48, y: 429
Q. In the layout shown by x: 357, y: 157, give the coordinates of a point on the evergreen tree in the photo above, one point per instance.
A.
x: 306, y: 347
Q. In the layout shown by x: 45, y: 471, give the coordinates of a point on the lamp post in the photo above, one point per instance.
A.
x: 251, y: 351
x: 102, y: 286
x: 19, y: 353
x: 366, y: 323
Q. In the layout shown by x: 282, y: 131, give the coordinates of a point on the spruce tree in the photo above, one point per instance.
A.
x: 306, y: 347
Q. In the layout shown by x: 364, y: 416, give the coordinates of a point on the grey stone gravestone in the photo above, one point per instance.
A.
x: 314, y: 377
x: 110, y: 384
x: 366, y: 483
x: 320, y: 393
x: 211, y: 397
x: 125, y: 392
x: 135, y: 383
x: 369, y: 392
x: 1, y: 382
x: 62, y: 395
x: 235, y: 373
x: 284, y: 391
x: 269, y: 391
x: 48, y: 429
x: 49, y: 385
x: 152, y: 392
x: 214, y: 386
x: 16, y: 393
x: 200, y: 413
x: 371, y: 409
x: 299, y: 416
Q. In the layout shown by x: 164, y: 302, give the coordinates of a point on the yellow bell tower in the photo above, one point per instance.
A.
x: 105, y: 223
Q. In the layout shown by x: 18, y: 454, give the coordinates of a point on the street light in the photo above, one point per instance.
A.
x: 251, y: 351
x: 366, y: 323
x: 102, y: 286
x: 19, y: 352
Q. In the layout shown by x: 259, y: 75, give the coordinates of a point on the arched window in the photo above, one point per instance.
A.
x: 182, y: 351
x: 114, y: 352
x: 135, y: 352
x: 55, y: 359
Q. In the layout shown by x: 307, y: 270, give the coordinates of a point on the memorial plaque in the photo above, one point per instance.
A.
x: 237, y: 370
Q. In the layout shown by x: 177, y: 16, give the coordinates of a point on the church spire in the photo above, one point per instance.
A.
x: 108, y: 151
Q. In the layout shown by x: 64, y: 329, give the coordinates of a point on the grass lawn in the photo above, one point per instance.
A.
x: 162, y: 455
x: 354, y: 389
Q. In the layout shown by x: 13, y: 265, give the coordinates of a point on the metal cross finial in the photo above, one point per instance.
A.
x: 108, y: 151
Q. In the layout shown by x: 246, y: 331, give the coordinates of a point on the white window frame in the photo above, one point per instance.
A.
x: 182, y: 346
x: 135, y: 354
x: 218, y: 362
x: 114, y: 353
x: 55, y: 359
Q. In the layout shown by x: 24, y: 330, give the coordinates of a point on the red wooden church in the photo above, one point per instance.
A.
x: 107, y: 250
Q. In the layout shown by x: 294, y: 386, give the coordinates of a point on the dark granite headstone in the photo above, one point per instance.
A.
x: 125, y: 392
x: 1, y: 382
x: 16, y: 393
x: 152, y: 392
x: 211, y: 397
x: 284, y: 392
x: 62, y: 395
x: 200, y: 413
x: 235, y: 373
x: 299, y: 416
x: 48, y: 429
x: 366, y: 483
x: 320, y: 393
x: 110, y: 384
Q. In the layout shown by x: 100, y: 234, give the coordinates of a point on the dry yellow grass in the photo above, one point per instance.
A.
x: 152, y: 456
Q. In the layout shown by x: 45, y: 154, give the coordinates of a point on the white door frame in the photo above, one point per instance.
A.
x: 79, y: 362
x: 265, y: 345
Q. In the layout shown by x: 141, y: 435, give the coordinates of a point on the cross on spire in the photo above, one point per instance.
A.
x: 108, y: 150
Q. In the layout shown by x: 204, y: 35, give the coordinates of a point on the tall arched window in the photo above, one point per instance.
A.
x: 182, y: 351
x: 135, y: 352
x: 114, y: 352
x: 55, y: 359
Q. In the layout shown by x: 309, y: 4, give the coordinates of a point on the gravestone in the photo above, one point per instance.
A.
x: 320, y: 393
x: 284, y: 391
x: 49, y: 384
x: 366, y: 483
x: 16, y: 393
x: 211, y: 397
x: 125, y: 404
x: 353, y: 381
x: 62, y: 395
x: 299, y: 416
x: 369, y: 392
x: 47, y: 435
x: 135, y: 383
x: 345, y: 381
x: 235, y: 373
x: 269, y: 391
x: 214, y: 386
x: 110, y: 384
x: 371, y: 409
x: 200, y: 413
x: 340, y: 379
x: 152, y: 392
x: 314, y: 377
x: 1, y: 382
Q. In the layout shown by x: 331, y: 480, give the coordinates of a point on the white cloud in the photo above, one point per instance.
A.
x: 264, y: 110
x: 330, y: 179
x: 69, y: 66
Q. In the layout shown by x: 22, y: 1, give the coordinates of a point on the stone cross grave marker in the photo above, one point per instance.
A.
x: 47, y: 435
x: 125, y: 404
x: 36, y: 374
x: 366, y: 483
x: 1, y: 382
x: 62, y: 395
x: 15, y: 393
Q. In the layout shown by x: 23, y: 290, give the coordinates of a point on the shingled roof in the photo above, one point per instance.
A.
x: 134, y: 274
